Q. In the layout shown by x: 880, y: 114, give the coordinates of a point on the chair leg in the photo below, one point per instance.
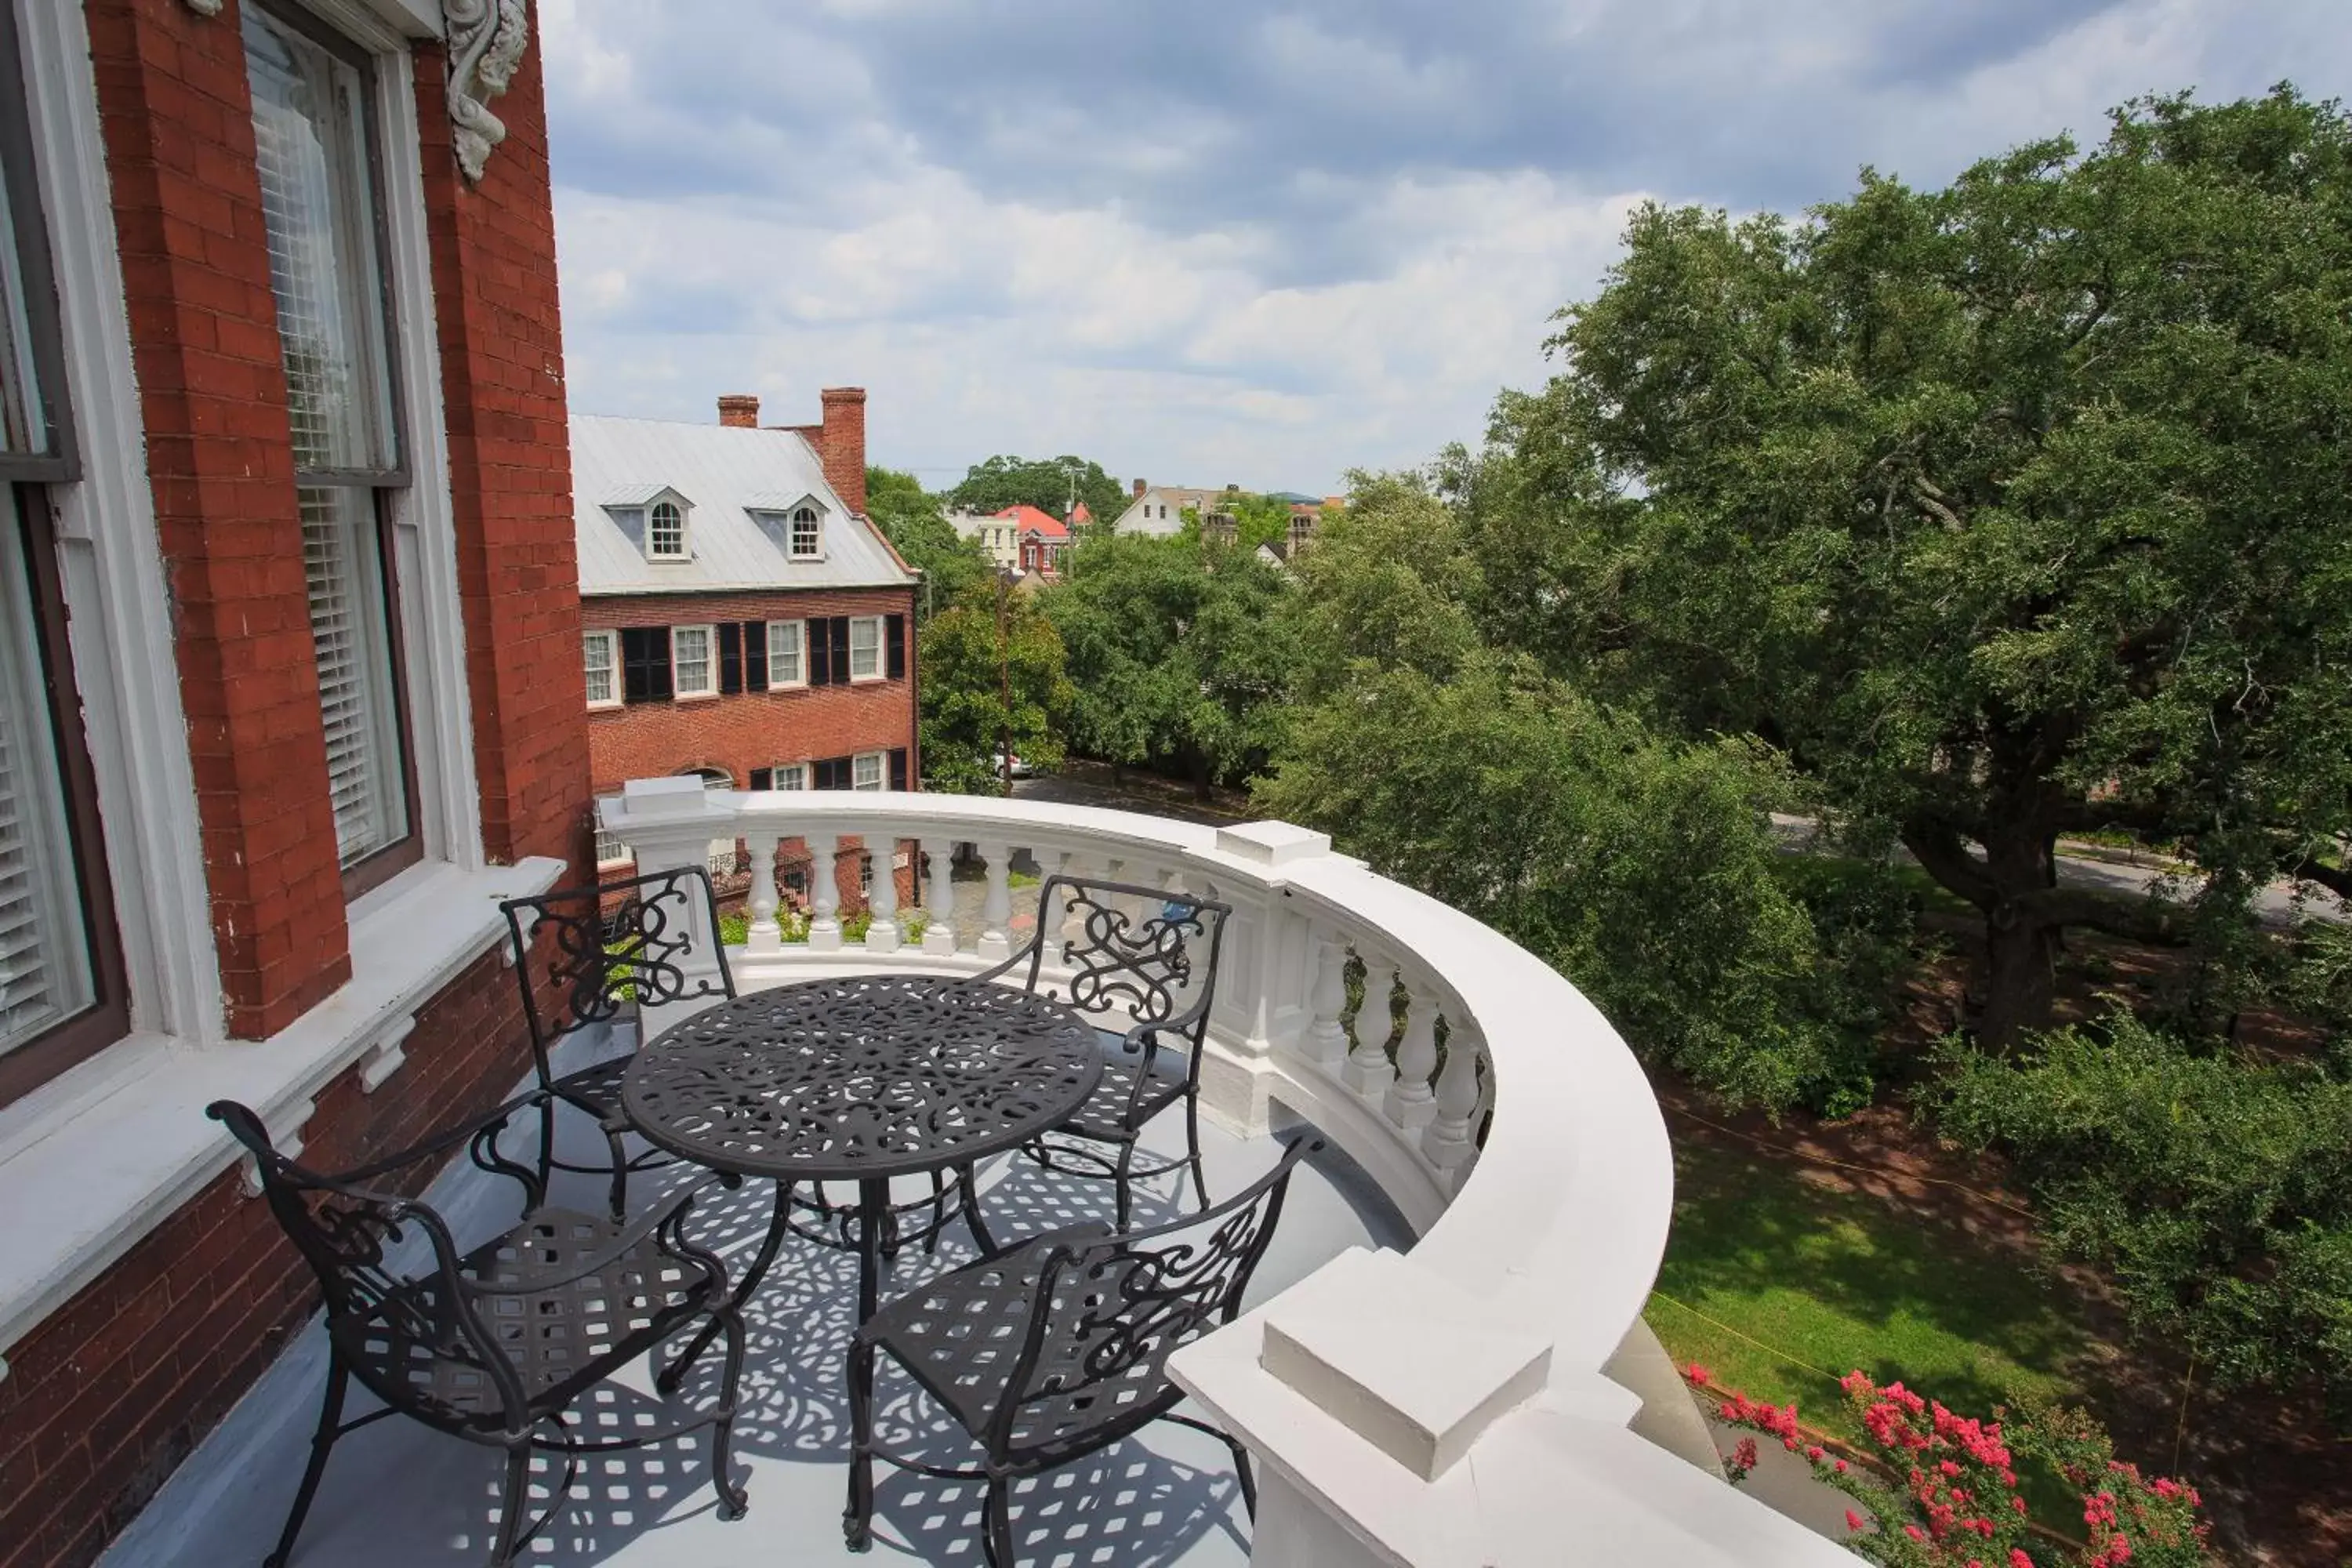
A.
x: 620, y: 1195
x: 939, y: 1214
x: 731, y: 1500
x: 547, y: 1145
x: 996, y: 1523
x: 857, y: 1517
x: 1242, y: 1468
x: 970, y: 1192
x: 1125, y: 1184
x: 517, y: 1501
x: 1192, y: 1144
x: 330, y: 1418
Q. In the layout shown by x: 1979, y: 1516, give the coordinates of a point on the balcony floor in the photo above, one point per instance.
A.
x: 397, y: 1495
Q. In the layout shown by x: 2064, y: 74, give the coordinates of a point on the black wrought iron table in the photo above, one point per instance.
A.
x: 860, y: 1080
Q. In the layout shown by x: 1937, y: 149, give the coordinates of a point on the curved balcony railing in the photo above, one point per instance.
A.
x: 1440, y: 1406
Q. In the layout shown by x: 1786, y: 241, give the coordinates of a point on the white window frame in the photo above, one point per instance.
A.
x: 881, y: 670
x: 795, y: 635
x: 881, y: 761
x: 679, y: 691
x: 798, y: 773
x: 607, y: 841
x: 792, y: 537
x: 685, y: 551
x: 610, y: 641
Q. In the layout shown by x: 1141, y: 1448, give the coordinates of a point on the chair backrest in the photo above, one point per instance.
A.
x: 1107, y: 1314
x: 1141, y: 968
x: 614, y: 942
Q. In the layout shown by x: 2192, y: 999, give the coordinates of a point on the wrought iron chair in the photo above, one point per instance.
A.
x: 492, y: 1344
x: 1142, y: 972
x: 615, y: 942
x: 1058, y: 1348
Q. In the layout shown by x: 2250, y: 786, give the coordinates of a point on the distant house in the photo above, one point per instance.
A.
x: 742, y: 619
x: 1023, y: 539
x: 1158, y: 510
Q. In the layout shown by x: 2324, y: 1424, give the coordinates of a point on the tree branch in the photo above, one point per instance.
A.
x: 1938, y: 850
x: 2138, y: 919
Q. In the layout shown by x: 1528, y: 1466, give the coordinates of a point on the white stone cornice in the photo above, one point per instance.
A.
x: 486, y: 40
x: 206, y: 8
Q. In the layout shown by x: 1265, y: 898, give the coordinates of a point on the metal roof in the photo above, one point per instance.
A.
x: 731, y: 473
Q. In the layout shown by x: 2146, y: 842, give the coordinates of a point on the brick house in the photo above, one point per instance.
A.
x: 289, y: 682
x: 742, y: 619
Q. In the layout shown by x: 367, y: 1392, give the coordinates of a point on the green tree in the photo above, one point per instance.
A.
x: 911, y: 518
x: 1641, y: 866
x: 964, y: 671
x: 2008, y: 509
x: 1180, y: 656
x: 1050, y: 484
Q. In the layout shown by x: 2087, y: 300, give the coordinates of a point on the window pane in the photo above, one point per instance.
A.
x: 868, y: 775
x: 598, y: 649
x: 350, y: 631
x: 804, y: 531
x: 792, y: 775
x: 45, y: 968
x: 784, y: 652
x: 865, y: 646
x: 317, y: 202
x: 690, y: 656
x: 668, y: 536
x: 24, y: 431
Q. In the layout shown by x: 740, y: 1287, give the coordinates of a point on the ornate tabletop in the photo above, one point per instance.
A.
x: 862, y: 1077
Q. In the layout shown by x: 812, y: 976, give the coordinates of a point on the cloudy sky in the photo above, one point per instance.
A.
x: 1248, y: 241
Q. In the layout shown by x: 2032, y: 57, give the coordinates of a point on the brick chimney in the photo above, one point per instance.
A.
x: 739, y: 410
x: 841, y: 443
x: 1139, y: 488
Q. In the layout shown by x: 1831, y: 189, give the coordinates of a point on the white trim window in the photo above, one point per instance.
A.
x: 600, y: 656
x: 665, y: 530
x: 869, y: 770
x: 787, y: 655
x: 807, y: 535
x: 865, y: 647
x: 610, y: 851
x: 694, y: 672
x: 789, y: 775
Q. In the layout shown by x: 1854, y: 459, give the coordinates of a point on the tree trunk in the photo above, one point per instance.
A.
x: 2021, y: 951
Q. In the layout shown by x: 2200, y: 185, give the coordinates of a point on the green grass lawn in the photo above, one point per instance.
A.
x: 1834, y: 1281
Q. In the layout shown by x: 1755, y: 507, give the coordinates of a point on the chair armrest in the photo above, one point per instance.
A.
x: 525, y: 1278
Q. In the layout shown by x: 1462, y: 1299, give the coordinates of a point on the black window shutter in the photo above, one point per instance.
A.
x: 897, y: 761
x: 897, y: 648
x: 763, y: 778
x: 644, y: 664
x: 755, y: 656
x: 840, y: 625
x: 730, y: 659
x: 820, y: 656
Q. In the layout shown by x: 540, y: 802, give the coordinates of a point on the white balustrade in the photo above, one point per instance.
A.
x: 1540, y: 1222
x: 882, y: 896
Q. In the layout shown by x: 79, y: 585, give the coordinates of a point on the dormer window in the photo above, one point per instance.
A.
x: 808, y: 535
x: 665, y: 531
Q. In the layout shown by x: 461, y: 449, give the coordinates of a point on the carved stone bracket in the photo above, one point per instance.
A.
x: 206, y: 8
x: 487, y: 40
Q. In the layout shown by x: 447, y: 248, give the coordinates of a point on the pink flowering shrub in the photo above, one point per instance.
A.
x: 1944, y: 1493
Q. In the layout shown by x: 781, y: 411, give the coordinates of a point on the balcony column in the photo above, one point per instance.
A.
x: 938, y: 935
x: 764, y: 936
x: 1451, y: 1138
x: 1409, y: 1102
x: 824, y: 892
x: 996, y: 913
x: 1326, y: 1035
x: 882, y: 897
x: 1367, y: 1070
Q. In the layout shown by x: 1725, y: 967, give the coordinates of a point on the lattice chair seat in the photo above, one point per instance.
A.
x: 598, y: 1090
x: 1115, y: 1108
x: 562, y: 1333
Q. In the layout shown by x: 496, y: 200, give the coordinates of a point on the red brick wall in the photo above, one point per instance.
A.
x: 843, y: 447
x: 754, y: 729
x: 113, y: 1390
x: 178, y: 123
x: 509, y: 468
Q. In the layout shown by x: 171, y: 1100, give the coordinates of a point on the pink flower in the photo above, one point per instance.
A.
x: 1853, y: 1519
x: 1700, y: 1376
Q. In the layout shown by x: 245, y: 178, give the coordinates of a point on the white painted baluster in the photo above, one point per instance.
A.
x: 1080, y: 868
x: 1366, y: 1069
x: 1054, y: 913
x: 882, y: 896
x: 1447, y: 1142
x: 764, y: 935
x: 1409, y: 1102
x: 996, y: 914
x: 1326, y: 1035
x: 939, y: 936
x: 824, y: 892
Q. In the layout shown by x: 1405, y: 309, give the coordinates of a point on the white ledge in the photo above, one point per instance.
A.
x: 98, y: 1157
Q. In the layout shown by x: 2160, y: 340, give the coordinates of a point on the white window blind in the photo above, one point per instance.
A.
x: 866, y: 771
x: 865, y: 647
x: 45, y: 971
x: 787, y: 653
x: 345, y: 579
x: 790, y: 775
